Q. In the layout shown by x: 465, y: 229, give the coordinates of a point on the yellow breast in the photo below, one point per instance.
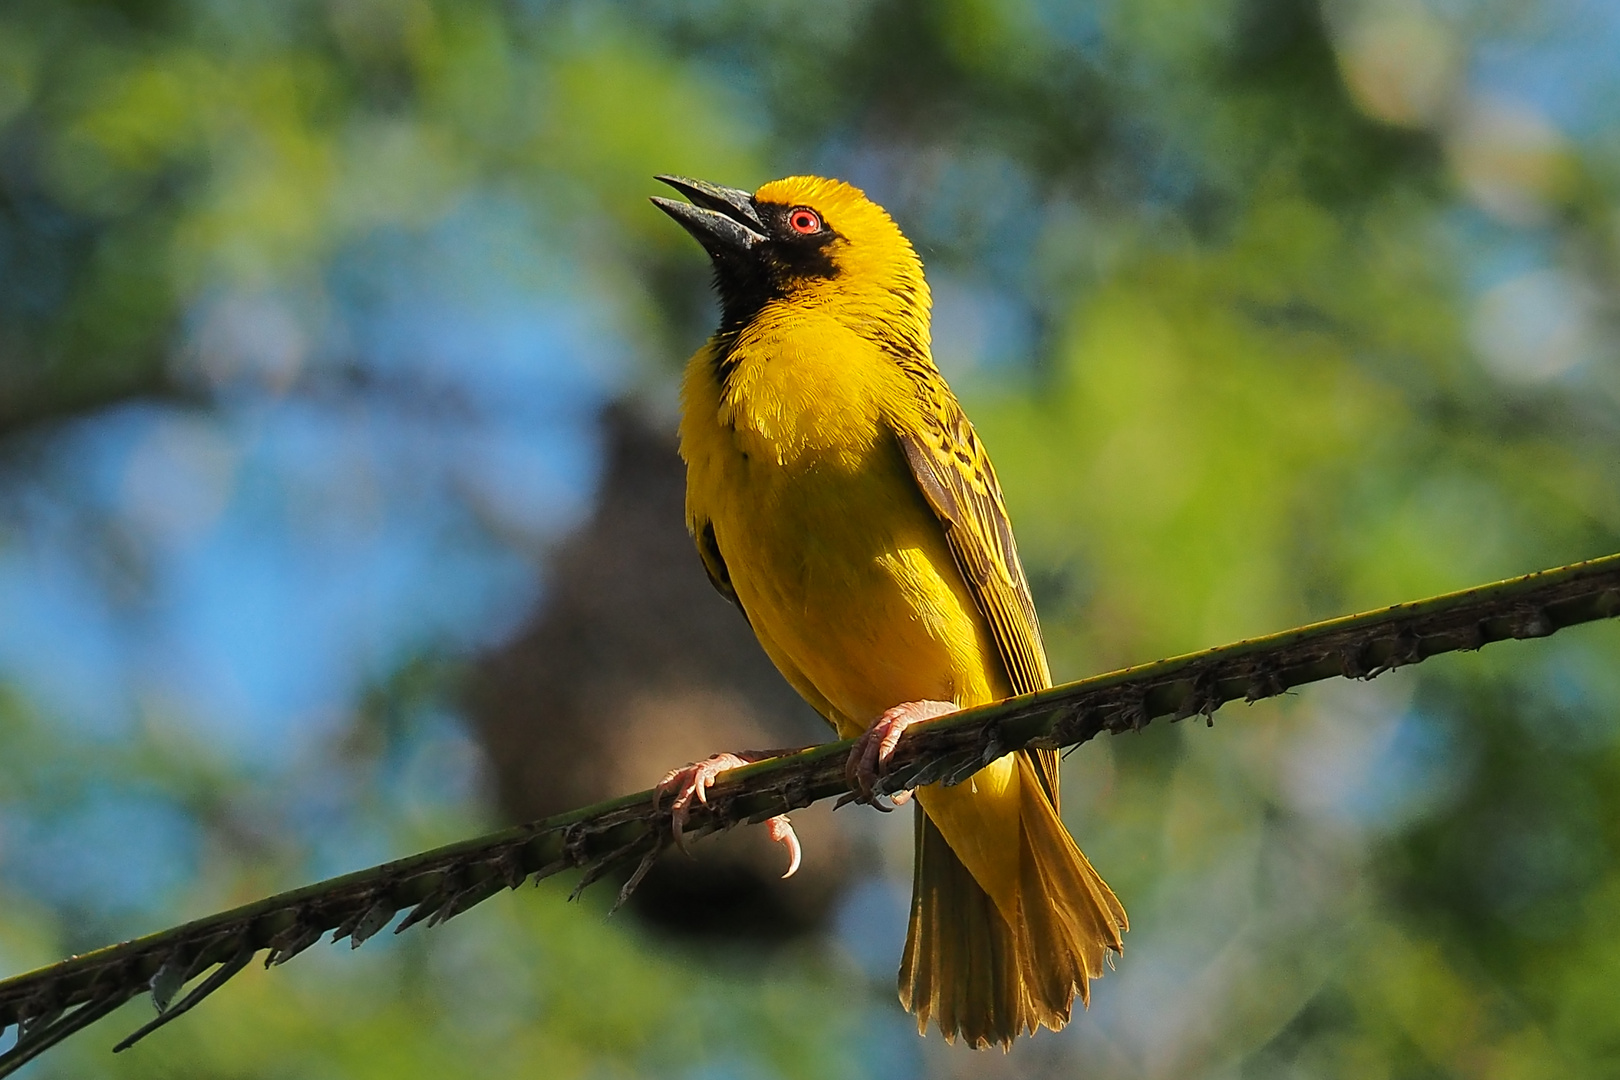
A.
x: 838, y: 562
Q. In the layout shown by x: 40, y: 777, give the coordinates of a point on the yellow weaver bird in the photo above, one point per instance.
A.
x: 841, y: 499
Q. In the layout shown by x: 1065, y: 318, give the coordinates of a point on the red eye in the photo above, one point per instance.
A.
x: 804, y: 220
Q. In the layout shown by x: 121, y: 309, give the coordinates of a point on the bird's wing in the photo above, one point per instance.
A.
x: 955, y: 475
x: 956, y: 478
x: 713, y: 564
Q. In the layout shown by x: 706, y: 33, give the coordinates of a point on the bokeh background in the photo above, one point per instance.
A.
x: 339, y: 515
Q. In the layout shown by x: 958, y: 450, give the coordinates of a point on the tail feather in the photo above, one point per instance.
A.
x: 984, y: 980
x: 960, y: 963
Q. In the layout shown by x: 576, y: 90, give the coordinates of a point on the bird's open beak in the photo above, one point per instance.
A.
x: 722, y: 219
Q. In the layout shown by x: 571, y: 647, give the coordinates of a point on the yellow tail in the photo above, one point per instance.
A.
x: 980, y: 975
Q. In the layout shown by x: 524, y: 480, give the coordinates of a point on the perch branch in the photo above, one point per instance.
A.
x: 52, y: 1002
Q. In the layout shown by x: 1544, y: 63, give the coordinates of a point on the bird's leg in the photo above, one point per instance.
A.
x: 872, y: 753
x: 693, y: 782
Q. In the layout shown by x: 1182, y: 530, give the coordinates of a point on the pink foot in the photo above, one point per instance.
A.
x: 872, y: 753
x: 694, y: 780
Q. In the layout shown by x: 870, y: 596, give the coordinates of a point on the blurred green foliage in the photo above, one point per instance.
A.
x: 1267, y: 311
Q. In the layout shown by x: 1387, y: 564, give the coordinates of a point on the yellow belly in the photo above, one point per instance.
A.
x: 847, y: 579
x: 843, y: 569
x: 855, y: 596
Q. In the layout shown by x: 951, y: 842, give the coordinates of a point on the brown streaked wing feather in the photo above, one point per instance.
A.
x: 956, y: 477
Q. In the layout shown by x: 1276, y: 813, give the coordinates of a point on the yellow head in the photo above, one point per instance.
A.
x: 806, y: 242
